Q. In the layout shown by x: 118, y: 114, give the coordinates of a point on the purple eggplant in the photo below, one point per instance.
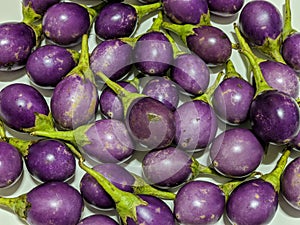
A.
x: 199, y: 202
x: 261, y: 23
x: 110, y: 104
x: 105, y: 140
x: 21, y: 105
x: 93, y: 192
x: 119, y: 19
x: 11, y: 165
x: 48, y: 64
x: 39, y: 7
x: 225, y: 8
x: 171, y: 167
x: 230, y: 150
x: 196, y: 122
x: 209, y: 42
x: 185, y: 12
x: 112, y: 57
x: 255, y: 201
x: 163, y: 89
x: 232, y: 98
x: 290, y: 179
x: 48, y: 203
x: 271, y: 110
x: 75, y: 99
x: 95, y: 219
x: 64, y: 23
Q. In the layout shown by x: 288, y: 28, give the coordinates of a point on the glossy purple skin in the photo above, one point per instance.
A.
x: 225, y: 8
x: 110, y: 105
x: 110, y: 141
x: 155, y: 212
x: 164, y: 90
x: 17, y: 42
x: 211, y: 44
x: 199, y: 203
x: 232, y: 99
x: 54, y: 203
x: 150, y: 123
x: 290, y: 50
x: 64, y: 23
x: 183, y: 12
x: 18, y: 104
x: 290, y: 179
x: 281, y: 77
x: 11, y: 165
x: 191, y: 73
x: 274, y: 111
x: 50, y: 160
x: 259, y: 20
x: 153, y: 53
x: 48, y: 64
x: 230, y: 151
x: 196, y: 125
x: 116, y: 20
x: 167, y: 167
x: 295, y: 142
x: 93, y: 192
x: 74, y: 102
x: 111, y: 57
x: 97, y: 219
x: 252, y: 202
x: 40, y: 6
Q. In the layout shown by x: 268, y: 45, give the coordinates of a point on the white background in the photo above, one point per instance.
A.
x: 11, y: 11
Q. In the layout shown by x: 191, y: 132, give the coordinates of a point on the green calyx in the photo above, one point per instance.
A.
x: 143, y: 10
x: 18, y: 205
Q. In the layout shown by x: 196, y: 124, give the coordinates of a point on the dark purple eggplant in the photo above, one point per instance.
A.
x: 225, y: 8
x: 95, y: 219
x: 39, y: 7
x: 185, y: 12
x: 48, y: 203
x: 120, y: 19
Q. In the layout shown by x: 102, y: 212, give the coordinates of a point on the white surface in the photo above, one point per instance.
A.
x: 11, y: 11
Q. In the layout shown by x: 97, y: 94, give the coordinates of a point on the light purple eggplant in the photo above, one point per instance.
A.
x: 232, y: 98
x: 271, y: 110
x: 49, y: 64
x: 75, y: 100
x: 105, y: 140
x: 64, y: 23
x: 229, y: 152
x: 290, y: 179
x: 48, y: 203
x: 225, y: 8
x: 21, y: 105
x: 163, y: 89
x: 185, y: 12
x: 11, y: 165
x: 112, y: 57
x: 120, y: 19
x: 255, y: 201
x: 110, y: 104
x: 199, y: 202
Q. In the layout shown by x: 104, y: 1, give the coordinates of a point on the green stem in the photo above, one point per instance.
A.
x: 274, y: 176
x: 287, y: 27
x: 22, y: 145
x: 230, y: 70
x: 183, y: 31
x: 197, y: 169
x: 18, y: 205
x: 126, y: 202
x: 157, y: 22
x: 143, y: 10
x: 206, y: 97
x: 125, y: 96
x: 261, y: 84
x: 142, y: 187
